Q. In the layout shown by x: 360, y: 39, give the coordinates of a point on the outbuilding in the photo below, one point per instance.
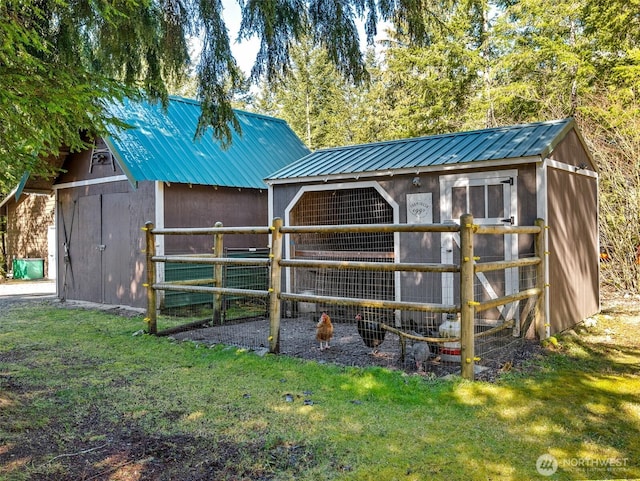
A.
x: 506, y: 175
x: 156, y: 171
x: 27, y: 230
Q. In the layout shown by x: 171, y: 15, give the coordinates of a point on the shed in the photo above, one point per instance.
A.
x: 28, y: 229
x: 156, y: 171
x: 505, y: 175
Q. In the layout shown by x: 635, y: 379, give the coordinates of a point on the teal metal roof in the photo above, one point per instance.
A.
x: 161, y: 146
x: 501, y: 143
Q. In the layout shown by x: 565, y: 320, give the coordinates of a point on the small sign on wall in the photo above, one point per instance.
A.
x: 420, y: 208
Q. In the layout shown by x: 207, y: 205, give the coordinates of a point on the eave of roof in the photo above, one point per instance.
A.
x: 498, y: 163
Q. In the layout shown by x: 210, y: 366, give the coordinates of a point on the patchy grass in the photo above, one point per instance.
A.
x: 81, y: 398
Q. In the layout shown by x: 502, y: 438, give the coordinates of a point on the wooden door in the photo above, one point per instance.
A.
x: 116, y: 250
x: 492, y: 200
x: 86, y: 261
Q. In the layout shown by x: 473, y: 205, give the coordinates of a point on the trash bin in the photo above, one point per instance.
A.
x: 28, y: 269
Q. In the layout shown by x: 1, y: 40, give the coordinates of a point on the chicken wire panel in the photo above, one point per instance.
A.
x: 243, y: 319
x: 425, y: 287
x: 339, y: 207
x: 245, y: 277
x: 517, y: 318
x: 342, y: 206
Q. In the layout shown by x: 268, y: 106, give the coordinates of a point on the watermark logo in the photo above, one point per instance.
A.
x: 547, y: 465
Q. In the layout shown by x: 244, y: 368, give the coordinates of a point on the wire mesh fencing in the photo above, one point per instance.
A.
x: 389, y: 304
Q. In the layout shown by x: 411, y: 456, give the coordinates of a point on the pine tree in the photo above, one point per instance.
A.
x: 312, y: 98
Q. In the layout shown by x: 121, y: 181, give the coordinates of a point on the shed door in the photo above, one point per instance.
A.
x: 115, y: 249
x: 100, y: 252
x: 85, y: 263
x: 491, y: 198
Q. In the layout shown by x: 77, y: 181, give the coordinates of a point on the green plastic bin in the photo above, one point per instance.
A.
x: 28, y: 268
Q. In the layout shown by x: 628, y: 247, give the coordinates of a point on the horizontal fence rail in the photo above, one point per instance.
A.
x: 468, y: 267
x: 232, y: 261
x: 350, y: 301
x: 372, y: 266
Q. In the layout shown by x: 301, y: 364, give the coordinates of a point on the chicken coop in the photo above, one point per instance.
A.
x: 508, y: 176
x: 372, y: 237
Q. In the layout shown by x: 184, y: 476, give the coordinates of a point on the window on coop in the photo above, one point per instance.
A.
x: 341, y: 207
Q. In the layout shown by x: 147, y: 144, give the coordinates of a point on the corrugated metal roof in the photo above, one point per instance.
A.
x: 161, y: 146
x: 501, y: 143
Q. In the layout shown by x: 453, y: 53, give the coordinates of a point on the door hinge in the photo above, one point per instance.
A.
x: 510, y: 220
x: 101, y: 247
x: 508, y: 181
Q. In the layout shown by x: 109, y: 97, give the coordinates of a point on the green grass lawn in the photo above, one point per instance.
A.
x: 81, y: 398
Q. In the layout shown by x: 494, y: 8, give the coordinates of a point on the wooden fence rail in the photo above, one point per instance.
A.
x: 468, y: 267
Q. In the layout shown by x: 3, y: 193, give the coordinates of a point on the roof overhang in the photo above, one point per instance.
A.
x: 25, y: 187
x: 30, y: 184
x: 123, y: 165
x: 480, y: 164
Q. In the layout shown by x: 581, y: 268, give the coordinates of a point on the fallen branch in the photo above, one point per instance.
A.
x: 70, y: 455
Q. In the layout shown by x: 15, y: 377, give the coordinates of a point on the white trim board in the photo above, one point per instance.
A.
x: 350, y: 186
x: 84, y: 183
x: 543, y: 212
x: 556, y: 164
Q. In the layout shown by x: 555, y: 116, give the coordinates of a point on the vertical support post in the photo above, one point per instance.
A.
x: 275, y: 285
x: 467, y: 302
x: 218, y: 251
x: 152, y: 314
x: 540, y: 320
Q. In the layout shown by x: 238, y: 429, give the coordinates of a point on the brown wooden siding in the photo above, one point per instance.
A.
x: 28, y: 221
x: 77, y: 167
x: 571, y: 151
x: 203, y: 206
x: 573, y: 248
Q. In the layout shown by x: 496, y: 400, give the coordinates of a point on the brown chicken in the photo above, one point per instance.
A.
x: 324, y: 331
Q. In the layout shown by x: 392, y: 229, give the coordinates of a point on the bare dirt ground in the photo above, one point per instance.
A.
x: 297, y: 339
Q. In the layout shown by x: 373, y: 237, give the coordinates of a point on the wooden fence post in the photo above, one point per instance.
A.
x: 275, y: 285
x: 152, y: 314
x: 467, y: 301
x: 218, y: 251
x: 540, y: 320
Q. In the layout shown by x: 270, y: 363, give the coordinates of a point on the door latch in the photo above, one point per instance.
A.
x: 510, y: 220
x: 101, y: 247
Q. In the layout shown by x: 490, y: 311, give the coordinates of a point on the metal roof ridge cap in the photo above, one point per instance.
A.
x: 436, y: 136
x: 198, y: 103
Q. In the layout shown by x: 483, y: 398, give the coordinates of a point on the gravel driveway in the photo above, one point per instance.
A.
x: 21, y: 292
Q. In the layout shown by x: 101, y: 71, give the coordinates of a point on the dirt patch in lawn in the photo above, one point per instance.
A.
x: 126, y: 453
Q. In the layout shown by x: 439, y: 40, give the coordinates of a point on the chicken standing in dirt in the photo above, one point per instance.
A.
x: 371, y: 332
x: 324, y: 331
x: 421, y: 353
